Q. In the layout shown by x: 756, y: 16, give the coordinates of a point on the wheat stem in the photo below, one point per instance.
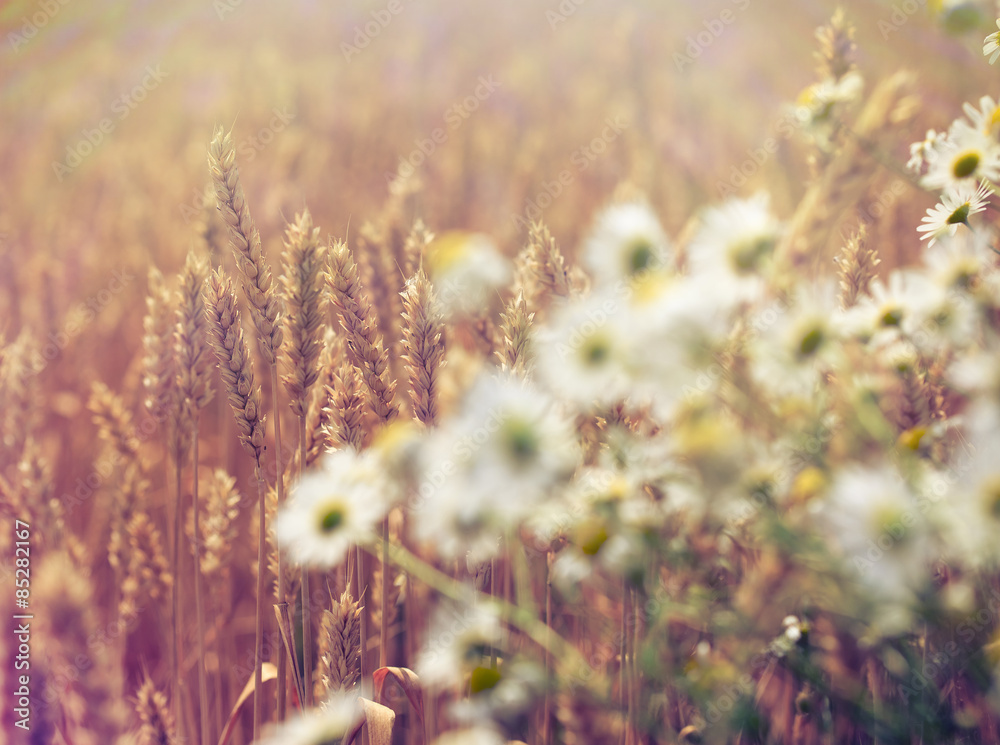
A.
x: 280, y: 486
x: 178, y: 512
x: 307, y: 640
x: 202, y: 681
x: 259, y: 631
x: 383, y: 639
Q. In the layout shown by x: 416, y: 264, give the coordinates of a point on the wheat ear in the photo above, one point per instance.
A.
x: 245, y: 242
x: 423, y: 344
x: 515, y: 328
x: 194, y: 384
x: 542, y: 274
x: 157, y: 723
x: 339, y: 647
x: 364, y: 344
x: 264, y: 306
x: 244, y: 396
x: 160, y: 384
x: 303, y: 284
x: 856, y: 266
x: 848, y: 174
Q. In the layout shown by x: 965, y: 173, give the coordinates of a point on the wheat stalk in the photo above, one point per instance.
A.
x: 836, y: 47
x: 303, y: 282
x: 847, y: 176
x: 423, y: 342
x: 162, y: 402
x: 414, y: 247
x: 264, y: 303
x: 157, y: 723
x: 147, y: 569
x: 345, y: 410
x: 303, y: 294
x: 114, y: 421
x: 194, y: 386
x: 364, y: 344
x: 226, y: 339
x: 159, y: 362
x: 515, y: 328
x: 64, y: 635
x: 244, y: 397
x: 339, y: 647
x: 856, y: 266
x: 245, y: 242
x: 541, y: 269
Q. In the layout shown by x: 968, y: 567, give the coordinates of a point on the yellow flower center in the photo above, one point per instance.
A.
x: 965, y: 164
x: 811, y: 341
x: 892, y: 317
x: 332, y: 520
x: 640, y: 256
x: 483, y: 679
x: 521, y: 440
x: 748, y: 255
x: 596, y: 350
x: 960, y: 215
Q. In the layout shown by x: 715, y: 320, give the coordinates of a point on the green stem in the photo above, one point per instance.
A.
x: 569, y: 659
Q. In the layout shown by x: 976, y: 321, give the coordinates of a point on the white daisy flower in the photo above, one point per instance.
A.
x: 920, y: 151
x: 957, y: 262
x: 626, y: 241
x: 333, y: 508
x: 484, y: 471
x: 991, y: 45
x: 467, y: 270
x: 938, y: 319
x: 986, y: 118
x: 679, y: 327
x: 817, y: 103
x: 583, y: 350
x: 889, y: 310
x: 976, y: 374
x: 328, y: 722
x: 873, y: 520
x: 515, y: 690
x: 787, y: 358
x: 966, y: 154
x: 734, y: 245
x: 970, y: 509
x: 958, y: 203
x: 459, y: 641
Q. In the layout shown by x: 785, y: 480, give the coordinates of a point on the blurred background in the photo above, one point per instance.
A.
x: 497, y: 112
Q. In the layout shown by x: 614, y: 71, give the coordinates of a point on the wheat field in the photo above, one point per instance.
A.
x: 552, y: 373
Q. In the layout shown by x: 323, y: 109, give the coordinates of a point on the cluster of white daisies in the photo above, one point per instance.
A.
x: 650, y: 332
x: 963, y: 164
